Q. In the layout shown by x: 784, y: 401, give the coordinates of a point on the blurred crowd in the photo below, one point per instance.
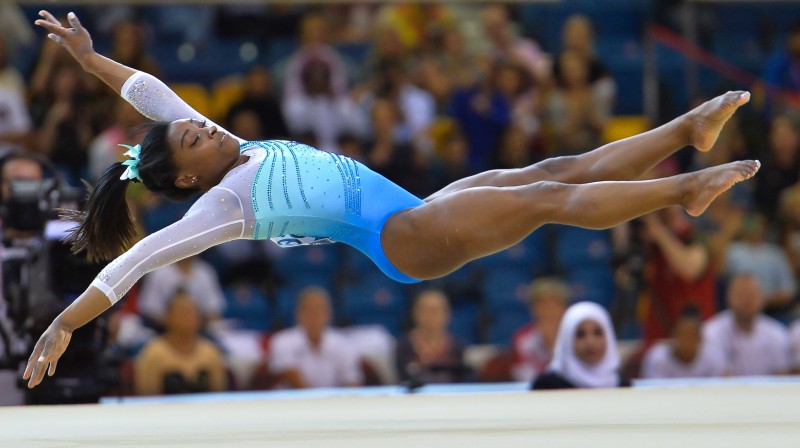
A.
x: 437, y: 93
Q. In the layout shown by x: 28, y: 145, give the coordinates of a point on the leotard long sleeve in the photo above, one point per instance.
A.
x: 287, y: 192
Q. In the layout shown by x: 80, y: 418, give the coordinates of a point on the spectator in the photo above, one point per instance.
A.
x: 258, y: 107
x: 15, y: 123
x: 685, y: 355
x: 505, y: 45
x: 577, y: 35
x: 585, y: 353
x: 575, y: 113
x: 180, y: 360
x: 533, y: 344
x: 390, y: 157
x: 767, y: 261
x: 192, y: 274
x: 429, y: 353
x: 749, y: 342
x: 316, y: 107
x: 484, y: 113
x: 313, y: 354
x: 782, y: 74
x: 128, y: 47
x: 678, y: 272
x: 104, y: 148
x: 416, y: 107
x: 450, y: 148
x: 781, y: 164
x: 65, y: 125
x: 789, y: 220
x: 315, y: 46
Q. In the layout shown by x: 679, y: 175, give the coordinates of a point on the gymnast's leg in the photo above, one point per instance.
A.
x: 438, y: 237
x: 626, y: 159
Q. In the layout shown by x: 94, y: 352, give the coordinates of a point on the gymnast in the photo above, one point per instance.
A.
x: 295, y: 195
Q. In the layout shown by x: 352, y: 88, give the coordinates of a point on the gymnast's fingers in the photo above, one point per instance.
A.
x: 52, y: 370
x: 37, y: 351
x: 49, y: 17
x: 58, y: 30
x: 39, y: 368
x: 73, y: 20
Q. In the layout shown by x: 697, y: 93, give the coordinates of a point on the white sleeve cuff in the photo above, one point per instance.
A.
x: 105, y: 289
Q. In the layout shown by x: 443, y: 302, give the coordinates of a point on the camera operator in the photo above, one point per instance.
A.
x: 40, y: 277
x: 15, y: 167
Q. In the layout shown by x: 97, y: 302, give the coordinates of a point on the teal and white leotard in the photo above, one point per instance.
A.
x: 287, y: 192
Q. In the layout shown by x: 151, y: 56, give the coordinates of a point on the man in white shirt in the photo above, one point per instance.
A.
x: 749, y: 342
x: 686, y: 355
x: 192, y: 274
x: 312, y: 354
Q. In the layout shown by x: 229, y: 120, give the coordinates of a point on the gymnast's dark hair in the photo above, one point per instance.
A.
x: 105, y: 228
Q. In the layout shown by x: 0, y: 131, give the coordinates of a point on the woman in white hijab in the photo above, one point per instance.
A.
x: 585, y: 354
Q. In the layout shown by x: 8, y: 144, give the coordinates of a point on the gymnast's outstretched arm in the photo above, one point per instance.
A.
x: 149, y: 95
x: 215, y: 218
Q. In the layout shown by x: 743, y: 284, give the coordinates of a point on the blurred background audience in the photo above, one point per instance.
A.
x: 424, y: 94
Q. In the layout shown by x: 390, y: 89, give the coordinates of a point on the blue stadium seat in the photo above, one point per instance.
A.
x: 581, y: 248
x: 248, y: 306
x: 319, y: 262
x: 376, y: 300
x: 505, y: 289
x: 503, y: 325
x: 592, y: 284
x: 464, y: 322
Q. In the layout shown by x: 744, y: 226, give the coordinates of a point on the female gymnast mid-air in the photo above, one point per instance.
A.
x: 294, y: 194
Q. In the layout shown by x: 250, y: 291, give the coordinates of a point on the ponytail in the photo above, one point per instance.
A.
x: 105, y: 229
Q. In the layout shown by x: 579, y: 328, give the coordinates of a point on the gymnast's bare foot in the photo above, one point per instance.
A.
x: 705, y: 185
x: 706, y: 121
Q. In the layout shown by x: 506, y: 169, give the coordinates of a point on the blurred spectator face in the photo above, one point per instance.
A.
x: 514, y: 151
x: 182, y: 316
x: 578, y: 34
x: 432, y: 312
x: 784, y: 139
x: 495, y: 24
x: 745, y: 297
x: 314, y: 30
x: 258, y: 83
x: 383, y: 117
x: 510, y: 80
x: 453, y: 42
x: 686, y: 339
x: 128, y: 41
x: 574, y: 70
x: 454, y: 150
x: 793, y: 44
x: 314, y: 311
x: 247, y: 125
x: 316, y: 76
x: 388, y: 44
x: 590, y: 342
x: 549, y: 307
x: 19, y: 169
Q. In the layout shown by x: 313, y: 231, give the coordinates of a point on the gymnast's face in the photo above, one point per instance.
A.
x: 203, y: 154
x: 590, y: 342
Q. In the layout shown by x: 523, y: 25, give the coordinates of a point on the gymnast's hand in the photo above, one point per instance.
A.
x: 76, y: 39
x: 45, y: 355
